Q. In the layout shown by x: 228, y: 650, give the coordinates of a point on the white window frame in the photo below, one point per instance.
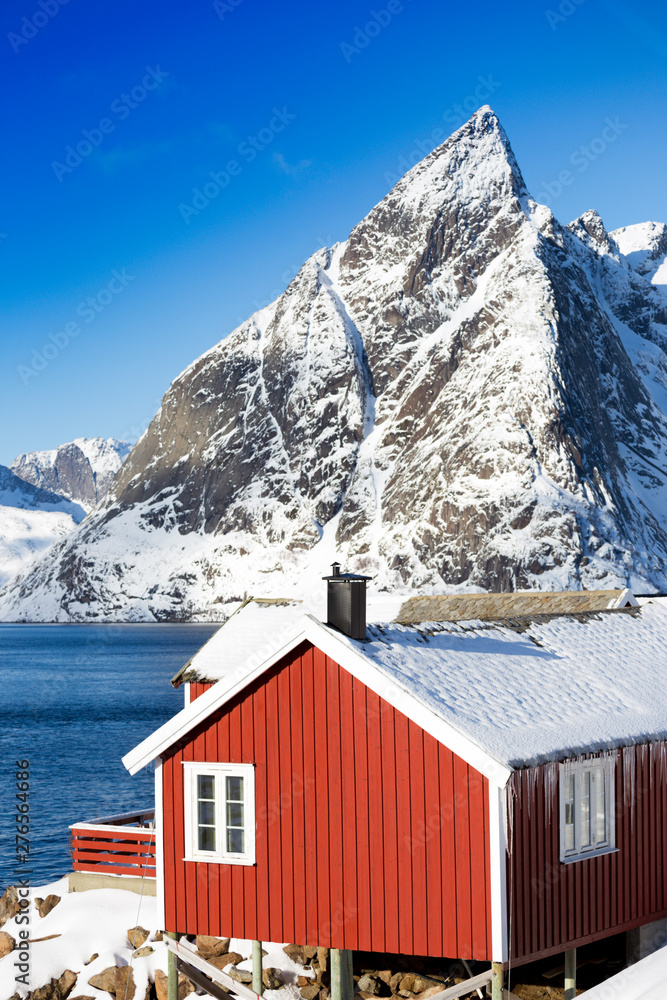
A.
x: 602, y: 771
x: 219, y: 772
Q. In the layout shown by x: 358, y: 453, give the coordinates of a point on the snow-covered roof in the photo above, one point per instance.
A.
x: 258, y: 626
x: 502, y: 695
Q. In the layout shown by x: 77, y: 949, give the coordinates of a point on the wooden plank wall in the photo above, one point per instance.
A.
x: 197, y: 688
x: 556, y: 906
x: 370, y: 834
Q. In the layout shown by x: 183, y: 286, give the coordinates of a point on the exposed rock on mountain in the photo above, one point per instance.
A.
x: 31, y: 519
x: 465, y: 394
x: 81, y: 470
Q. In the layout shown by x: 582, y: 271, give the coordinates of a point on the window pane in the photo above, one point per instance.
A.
x: 205, y: 786
x: 206, y: 838
x: 206, y: 812
x: 234, y: 814
x: 569, y: 812
x: 600, y: 818
x: 234, y: 789
x: 235, y: 841
x: 585, y: 808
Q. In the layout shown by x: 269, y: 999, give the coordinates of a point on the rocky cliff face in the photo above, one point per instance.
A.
x: 464, y: 394
x: 81, y: 470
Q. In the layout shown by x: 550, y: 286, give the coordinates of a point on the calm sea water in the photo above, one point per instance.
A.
x: 73, y: 700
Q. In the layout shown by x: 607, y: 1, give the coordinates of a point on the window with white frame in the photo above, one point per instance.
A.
x: 587, y: 808
x: 219, y: 805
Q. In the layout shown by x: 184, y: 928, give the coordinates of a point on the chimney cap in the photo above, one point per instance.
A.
x: 337, y: 575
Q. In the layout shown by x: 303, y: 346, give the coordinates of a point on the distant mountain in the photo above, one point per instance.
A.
x: 644, y: 247
x: 81, y: 470
x: 465, y: 394
x: 31, y: 519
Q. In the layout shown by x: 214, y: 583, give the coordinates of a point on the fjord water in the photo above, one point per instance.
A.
x: 74, y: 699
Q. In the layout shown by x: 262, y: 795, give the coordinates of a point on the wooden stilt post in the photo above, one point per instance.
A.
x: 497, y: 981
x: 172, y: 974
x: 571, y: 974
x: 257, y: 983
x: 342, y: 983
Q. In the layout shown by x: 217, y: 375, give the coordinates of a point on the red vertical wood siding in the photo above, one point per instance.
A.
x: 197, y: 688
x: 370, y: 834
x: 554, y: 906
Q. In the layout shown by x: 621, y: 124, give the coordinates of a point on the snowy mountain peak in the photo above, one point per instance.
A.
x: 463, y: 395
x: 590, y: 228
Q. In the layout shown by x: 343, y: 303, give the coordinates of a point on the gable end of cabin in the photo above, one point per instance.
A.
x: 369, y: 834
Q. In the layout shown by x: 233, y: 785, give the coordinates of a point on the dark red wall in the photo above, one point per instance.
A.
x: 370, y: 834
x: 555, y: 906
x: 197, y: 688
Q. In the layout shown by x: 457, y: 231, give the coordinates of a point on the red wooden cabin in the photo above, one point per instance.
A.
x: 484, y: 777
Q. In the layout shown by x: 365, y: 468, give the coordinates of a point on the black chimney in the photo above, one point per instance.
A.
x: 346, y: 602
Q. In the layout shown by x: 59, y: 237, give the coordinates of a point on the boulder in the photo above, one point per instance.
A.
x: 222, y: 961
x: 385, y: 976
x: 57, y: 989
x: 368, y: 984
x: 309, y: 992
x: 271, y: 979
x: 161, y: 990
x: 9, y: 905
x: 67, y: 981
x: 322, y: 958
x: 137, y: 936
x: 105, y: 980
x: 240, y: 975
x: 309, y: 951
x: 7, y: 944
x: 92, y: 958
x: 125, y: 987
x: 207, y: 945
x: 140, y: 952
x: 297, y: 953
x: 395, y: 982
x: 44, y: 906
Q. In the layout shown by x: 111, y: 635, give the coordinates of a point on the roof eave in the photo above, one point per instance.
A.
x: 344, y: 652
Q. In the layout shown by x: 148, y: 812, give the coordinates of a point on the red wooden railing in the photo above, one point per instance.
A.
x: 113, y: 846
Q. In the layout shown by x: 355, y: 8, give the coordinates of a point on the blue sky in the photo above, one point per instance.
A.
x: 304, y: 112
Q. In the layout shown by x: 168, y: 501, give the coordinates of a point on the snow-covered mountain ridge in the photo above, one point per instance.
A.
x: 31, y: 519
x: 463, y: 395
x: 81, y: 470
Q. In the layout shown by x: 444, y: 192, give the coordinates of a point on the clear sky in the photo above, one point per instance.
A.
x: 116, y: 275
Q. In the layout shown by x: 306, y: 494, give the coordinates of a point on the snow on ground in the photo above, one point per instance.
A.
x: 643, y: 981
x: 97, y: 921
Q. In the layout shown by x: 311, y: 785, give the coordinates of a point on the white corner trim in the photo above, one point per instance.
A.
x: 498, y: 859
x: 186, y: 694
x: 346, y: 653
x: 159, y: 846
